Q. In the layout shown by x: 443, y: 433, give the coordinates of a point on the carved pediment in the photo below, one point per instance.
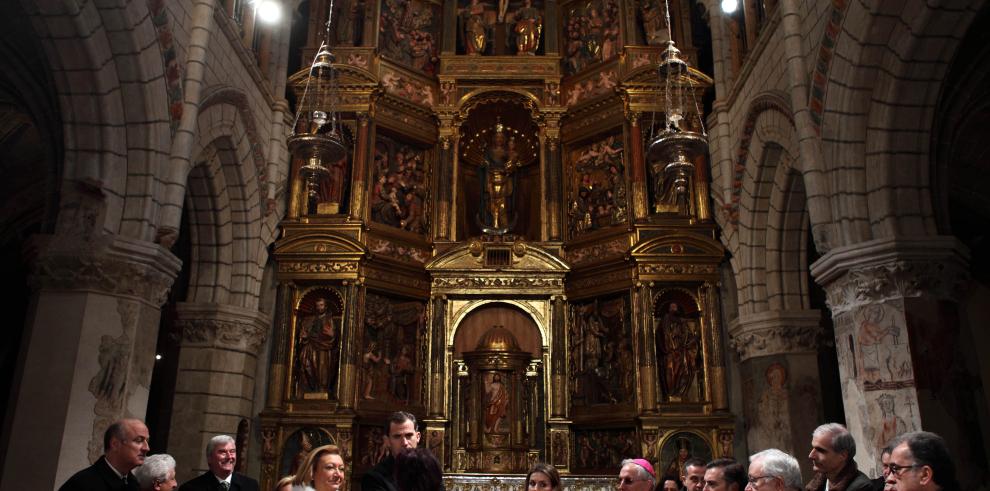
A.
x: 675, y: 246
x: 320, y: 244
x: 478, y: 256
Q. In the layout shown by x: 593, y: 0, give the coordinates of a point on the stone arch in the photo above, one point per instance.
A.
x: 524, y: 307
x: 225, y: 121
x: 881, y: 93
x: 208, y: 209
x: 786, y: 241
x: 101, y: 76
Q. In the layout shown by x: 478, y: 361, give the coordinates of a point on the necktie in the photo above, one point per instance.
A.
x: 224, y: 485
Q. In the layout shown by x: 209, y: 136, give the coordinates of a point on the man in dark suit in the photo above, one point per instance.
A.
x: 125, y: 444
x: 400, y: 434
x: 221, y: 455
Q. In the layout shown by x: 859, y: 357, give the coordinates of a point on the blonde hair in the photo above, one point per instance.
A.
x: 304, y: 476
x: 285, y: 481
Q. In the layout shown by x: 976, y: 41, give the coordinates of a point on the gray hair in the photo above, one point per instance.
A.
x: 642, y: 472
x: 218, y: 440
x: 154, y: 470
x: 842, y: 440
x: 779, y: 464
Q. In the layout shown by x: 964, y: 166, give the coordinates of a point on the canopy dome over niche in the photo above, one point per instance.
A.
x: 498, y: 338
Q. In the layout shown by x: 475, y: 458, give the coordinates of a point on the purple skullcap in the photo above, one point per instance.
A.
x: 645, y: 464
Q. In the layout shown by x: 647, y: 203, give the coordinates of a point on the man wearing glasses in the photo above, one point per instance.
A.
x: 920, y: 462
x: 637, y: 475
x: 832, y: 452
x: 773, y: 470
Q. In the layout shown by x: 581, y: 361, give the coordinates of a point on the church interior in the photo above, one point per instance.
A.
x: 562, y: 231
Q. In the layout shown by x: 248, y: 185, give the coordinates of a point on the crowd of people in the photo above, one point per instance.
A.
x: 915, y: 461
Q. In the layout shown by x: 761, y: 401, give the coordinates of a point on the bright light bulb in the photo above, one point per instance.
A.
x: 730, y: 6
x: 158, y: 356
x: 269, y: 11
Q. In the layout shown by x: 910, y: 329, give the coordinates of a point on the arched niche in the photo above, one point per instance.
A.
x: 479, y: 320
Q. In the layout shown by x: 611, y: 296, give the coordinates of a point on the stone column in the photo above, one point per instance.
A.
x: 214, y: 387
x: 779, y: 370
x: 88, y: 352
x: 902, y: 361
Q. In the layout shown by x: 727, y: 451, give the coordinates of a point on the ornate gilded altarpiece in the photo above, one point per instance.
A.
x: 495, y: 254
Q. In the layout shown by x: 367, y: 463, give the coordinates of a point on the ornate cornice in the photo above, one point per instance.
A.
x: 222, y: 326
x: 113, y: 265
x: 775, y: 332
x: 887, y: 269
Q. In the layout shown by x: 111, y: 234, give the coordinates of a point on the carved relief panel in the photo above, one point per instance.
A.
x: 391, y: 353
x: 399, y: 194
x: 679, y: 346
x: 410, y: 33
x: 601, y: 357
x: 597, y: 193
x: 591, y: 33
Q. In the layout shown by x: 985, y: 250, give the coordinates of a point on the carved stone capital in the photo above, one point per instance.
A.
x: 887, y: 269
x: 114, y: 265
x: 775, y: 332
x: 222, y: 326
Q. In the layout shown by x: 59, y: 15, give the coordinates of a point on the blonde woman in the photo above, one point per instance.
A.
x: 323, y: 471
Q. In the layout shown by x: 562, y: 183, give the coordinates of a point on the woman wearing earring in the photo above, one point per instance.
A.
x: 323, y: 471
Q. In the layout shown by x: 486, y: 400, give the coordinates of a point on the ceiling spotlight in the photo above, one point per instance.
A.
x: 269, y: 11
x: 158, y: 356
x: 730, y: 6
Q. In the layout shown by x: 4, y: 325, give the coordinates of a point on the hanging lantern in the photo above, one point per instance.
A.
x: 316, y: 136
x: 682, y: 137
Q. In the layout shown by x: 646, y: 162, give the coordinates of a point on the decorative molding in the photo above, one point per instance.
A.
x: 482, y: 482
x: 222, y: 326
x: 115, y: 266
x: 775, y: 332
x: 876, y: 271
x: 616, y: 247
x: 677, y: 269
x: 498, y: 282
x: 318, y: 267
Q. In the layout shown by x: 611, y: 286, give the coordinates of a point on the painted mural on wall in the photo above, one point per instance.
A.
x: 598, y: 192
x: 298, y: 445
x: 678, y: 341
x: 769, y: 414
x: 409, y: 33
x: 677, y: 449
x: 601, y: 351
x: 591, y: 30
x: 317, y: 345
x: 390, y: 364
x: 399, y: 193
x: 601, y: 451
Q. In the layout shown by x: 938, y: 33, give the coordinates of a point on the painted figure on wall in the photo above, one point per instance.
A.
x: 317, y: 351
x: 592, y: 34
x: 891, y: 424
x: 599, y: 194
x: 771, y: 427
x: 529, y: 26
x: 496, y: 404
x: 409, y: 31
x: 400, y: 191
x: 390, y: 365
x: 678, y: 344
x: 600, y: 340
x: 677, y: 449
x: 878, y: 341
x: 603, y: 450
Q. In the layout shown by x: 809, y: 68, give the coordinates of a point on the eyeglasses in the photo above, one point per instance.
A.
x: 754, y: 480
x: 625, y: 481
x: 897, y: 470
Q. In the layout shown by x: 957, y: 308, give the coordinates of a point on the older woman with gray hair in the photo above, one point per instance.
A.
x: 157, y: 473
x: 773, y: 470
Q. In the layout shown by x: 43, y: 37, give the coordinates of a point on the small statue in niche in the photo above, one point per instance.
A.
x: 679, y: 349
x: 529, y: 26
x: 654, y: 23
x: 501, y: 160
x: 475, y: 31
x: 316, y: 370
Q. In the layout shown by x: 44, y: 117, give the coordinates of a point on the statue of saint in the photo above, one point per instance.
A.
x: 475, y: 31
x: 316, y: 369
x: 501, y: 160
x: 529, y: 25
x: 679, y: 349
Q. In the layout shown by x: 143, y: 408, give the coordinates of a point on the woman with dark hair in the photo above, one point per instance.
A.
x: 543, y: 477
x: 416, y: 469
x: 322, y: 471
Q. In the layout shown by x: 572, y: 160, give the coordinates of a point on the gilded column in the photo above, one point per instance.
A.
x: 444, y: 193
x: 558, y: 360
x: 553, y: 196
x: 438, y: 356
x: 297, y: 189
x: 354, y: 315
x: 640, y: 199
x: 718, y: 393
x: 360, y: 167
x: 646, y: 352
x: 281, y: 334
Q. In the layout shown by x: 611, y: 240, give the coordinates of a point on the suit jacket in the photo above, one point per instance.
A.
x: 208, y: 482
x: 99, y: 477
x: 380, y: 477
